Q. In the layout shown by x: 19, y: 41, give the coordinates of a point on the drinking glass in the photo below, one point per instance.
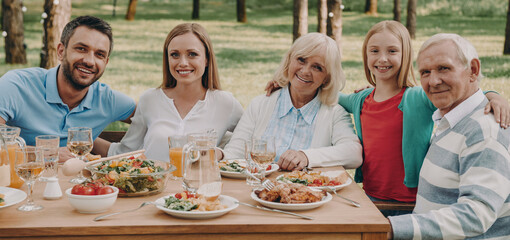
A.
x: 251, y: 166
x: 175, y: 144
x: 49, y: 145
x: 79, y: 143
x: 263, y: 152
x: 29, y: 166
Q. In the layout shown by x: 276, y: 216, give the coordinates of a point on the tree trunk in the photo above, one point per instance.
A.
x: 322, y: 16
x: 411, y: 18
x: 367, y: 6
x: 506, y: 50
x: 396, y: 10
x: 12, y: 23
x: 335, y: 21
x: 196, y: 7
x: 300, y: 18
x: 131, y: 11
x: 372, y: 8
x: 241, y: 11
x: 58, y: 16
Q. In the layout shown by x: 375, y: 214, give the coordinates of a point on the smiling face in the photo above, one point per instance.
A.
x: 444, y: 78
x: 85, y: 57
x: 306, y: 75
x: 384, y: 56
x: 187, y: 59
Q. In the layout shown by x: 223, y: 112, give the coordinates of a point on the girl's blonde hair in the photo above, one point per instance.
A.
x: 405, y: 77
x: 210, y: 79
x: 316, y: 44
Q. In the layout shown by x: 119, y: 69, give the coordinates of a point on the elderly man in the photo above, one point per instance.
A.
x: 42, y: 101
x: 464, y: 185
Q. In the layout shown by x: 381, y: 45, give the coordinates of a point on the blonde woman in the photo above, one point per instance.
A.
x: 309, y: 127
x: 189, y: 99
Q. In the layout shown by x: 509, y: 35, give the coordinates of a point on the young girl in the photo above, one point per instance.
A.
x: 393, y: 120
x: 189, y: 99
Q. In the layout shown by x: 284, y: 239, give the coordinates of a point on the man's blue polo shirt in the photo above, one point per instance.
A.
x: 29, y: 99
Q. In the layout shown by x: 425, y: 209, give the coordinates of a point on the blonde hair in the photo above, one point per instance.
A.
x: 210, y: 79
x: 406, y: 68
x: 465, y: 50
x: 316, y: 44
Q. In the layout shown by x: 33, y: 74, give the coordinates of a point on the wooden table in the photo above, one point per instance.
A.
x: 58, y: 220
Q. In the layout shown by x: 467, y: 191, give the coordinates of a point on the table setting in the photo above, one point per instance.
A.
x: 138, y: 214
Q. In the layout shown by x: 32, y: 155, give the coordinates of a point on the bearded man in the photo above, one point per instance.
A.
x: 49, y: 102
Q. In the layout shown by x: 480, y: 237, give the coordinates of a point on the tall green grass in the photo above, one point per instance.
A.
x: 249, y: 53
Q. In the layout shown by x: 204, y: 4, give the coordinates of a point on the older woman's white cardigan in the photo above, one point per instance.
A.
x: 334, y: 142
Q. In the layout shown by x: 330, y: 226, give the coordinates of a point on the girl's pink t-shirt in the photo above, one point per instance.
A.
x: 383, y: 166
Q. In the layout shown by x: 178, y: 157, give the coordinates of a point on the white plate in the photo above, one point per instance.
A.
x: 292, y: 206
x: 337, y: 187
x: 12, y: 196
x: 242, y: 162
x: 226, y: 200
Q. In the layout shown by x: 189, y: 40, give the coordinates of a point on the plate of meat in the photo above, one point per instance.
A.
x: 291, y: 196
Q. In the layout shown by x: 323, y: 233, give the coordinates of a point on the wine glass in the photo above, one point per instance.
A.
x: 29, y: 165
x: 263, y: 152
x: 79, y: 143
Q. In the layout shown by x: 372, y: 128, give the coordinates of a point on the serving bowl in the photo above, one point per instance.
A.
x: 134, y: 183
x: 92, y: 203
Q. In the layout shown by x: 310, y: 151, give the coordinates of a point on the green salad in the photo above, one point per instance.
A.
x: 174, y: 203
x: 231, y: 167
x: 131, y: 175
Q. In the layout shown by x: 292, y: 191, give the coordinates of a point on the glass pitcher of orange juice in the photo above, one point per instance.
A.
x: 5, y: 170
x: 13, y: 141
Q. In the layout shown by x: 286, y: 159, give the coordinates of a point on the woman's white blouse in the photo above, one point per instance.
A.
x: 156, y: 118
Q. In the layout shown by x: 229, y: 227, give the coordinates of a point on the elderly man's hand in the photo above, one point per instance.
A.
x: 293, y: 160
x: 64, y: 154
x: 501, y: 108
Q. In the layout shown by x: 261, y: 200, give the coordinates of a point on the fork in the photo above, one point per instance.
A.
x: 131, y: 210
x: 344, y: 198
x: 266, y: 183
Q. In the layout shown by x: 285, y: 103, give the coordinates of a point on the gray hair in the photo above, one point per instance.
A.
x: 465, y: 50
x: 316, y: 44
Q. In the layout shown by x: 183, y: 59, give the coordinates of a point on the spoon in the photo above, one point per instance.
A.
x: 74, y: 165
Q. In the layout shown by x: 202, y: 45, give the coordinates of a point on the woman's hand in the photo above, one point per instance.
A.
x: 271, y: 86
x: 293, y: 160
x: 500, y: 107
x: 361, y: 89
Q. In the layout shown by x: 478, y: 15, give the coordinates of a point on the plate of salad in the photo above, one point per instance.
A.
x: 232, y: 168
x: 317, y: 179
x: 190, y: 206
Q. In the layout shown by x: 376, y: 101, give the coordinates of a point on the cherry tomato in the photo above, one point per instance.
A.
x: 137, y: 163
x: 178, y: 195
x: 318, y: 182
x: 268, y: 168
x: 333, y: 183
x: 83, y: 190
x: 96, y: 185
x: 132, y: 157
x: 105, y: 190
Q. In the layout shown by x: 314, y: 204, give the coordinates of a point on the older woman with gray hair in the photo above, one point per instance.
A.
x: 309, y: 127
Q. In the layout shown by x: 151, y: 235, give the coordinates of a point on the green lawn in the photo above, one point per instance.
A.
x: 249, y: 53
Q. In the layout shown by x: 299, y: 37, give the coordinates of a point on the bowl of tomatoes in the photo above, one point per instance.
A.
x: 92, y: 197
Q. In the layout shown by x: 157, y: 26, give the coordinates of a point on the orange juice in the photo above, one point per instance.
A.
x: 176, y: 160
x: 16, y: 182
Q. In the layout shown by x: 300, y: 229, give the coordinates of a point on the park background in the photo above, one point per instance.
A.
x: 248, y: 53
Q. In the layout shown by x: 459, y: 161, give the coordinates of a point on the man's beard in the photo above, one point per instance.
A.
x: 66, y: 67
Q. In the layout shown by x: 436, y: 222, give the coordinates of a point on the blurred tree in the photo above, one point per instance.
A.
x: 506, y: 49
x: 335, y: 21
x: 371, y: 7
x: 411, y: 18
x: 300, y: 19
x: 131, y: 11
x: 196, y: 7
x: 241, y: 11
x: 58, y: 15
x: 12, y: 24
x: 396, y: 10
x: 322, y: 16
